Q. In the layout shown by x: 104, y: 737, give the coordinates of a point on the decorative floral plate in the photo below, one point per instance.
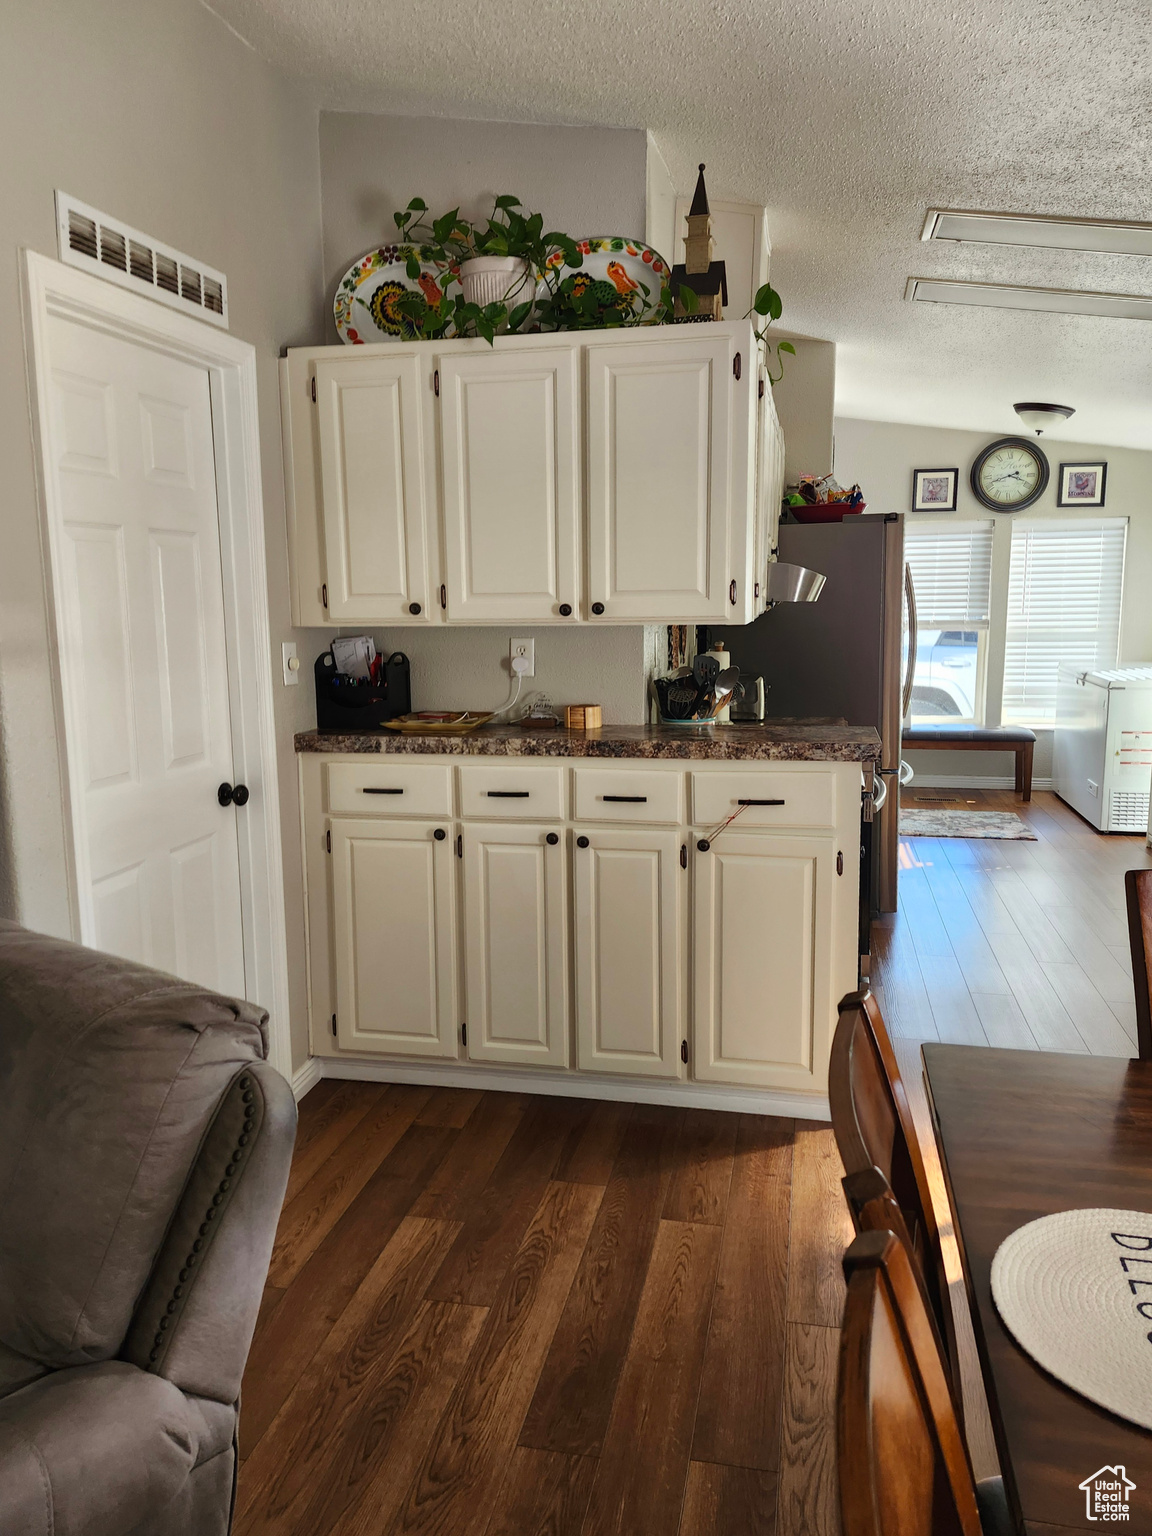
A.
x: 629, y: 275
x: 364, y: 306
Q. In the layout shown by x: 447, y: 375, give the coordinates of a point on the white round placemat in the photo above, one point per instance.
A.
x: 1075, y: 1291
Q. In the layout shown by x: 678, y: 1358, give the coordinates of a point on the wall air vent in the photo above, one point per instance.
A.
x: 95, y: 243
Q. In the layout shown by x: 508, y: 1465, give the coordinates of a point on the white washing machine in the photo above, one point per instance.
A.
x: 1102, y: 750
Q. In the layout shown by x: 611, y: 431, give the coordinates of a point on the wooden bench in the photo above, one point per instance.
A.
x: 976, y: 738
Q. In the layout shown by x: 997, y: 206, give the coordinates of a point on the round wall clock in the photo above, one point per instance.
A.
x: 1011, y: 473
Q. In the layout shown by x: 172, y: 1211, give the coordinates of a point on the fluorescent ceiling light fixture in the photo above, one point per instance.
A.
x: 1052, y: 301
x: 1118, y: 237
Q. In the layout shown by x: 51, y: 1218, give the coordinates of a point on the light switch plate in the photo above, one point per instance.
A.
x: 291, y: 664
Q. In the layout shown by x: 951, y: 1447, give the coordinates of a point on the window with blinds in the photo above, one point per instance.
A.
x: 952, y: 573
x: 951, y: 565
x: 1064, y: 595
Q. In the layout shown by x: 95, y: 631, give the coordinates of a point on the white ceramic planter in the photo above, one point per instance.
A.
x: 493, y: 279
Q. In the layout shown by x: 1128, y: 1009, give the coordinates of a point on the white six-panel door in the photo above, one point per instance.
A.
x: 630, y: 1005
x: 143, y: 626
x: 376, y: 504
x: 762, y: 956
x: 511, y: 456
x: 516, y: 944
x: 394, y: 923
x: 659, y: 478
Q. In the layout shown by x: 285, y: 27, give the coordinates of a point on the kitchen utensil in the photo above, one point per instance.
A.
x: 364, y: 305
x: 630, y: 275
x: 706, y: 668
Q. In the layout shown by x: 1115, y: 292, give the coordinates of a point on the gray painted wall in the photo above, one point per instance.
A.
x: 586, y: 181
x: 882, y: 455
x: 156, y: 113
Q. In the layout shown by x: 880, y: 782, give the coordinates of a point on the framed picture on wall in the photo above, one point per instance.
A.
x: 934, y: 490
x: 1081, y: 485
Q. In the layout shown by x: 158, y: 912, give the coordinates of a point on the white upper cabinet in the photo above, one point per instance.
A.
x: 664, y: 513
x: 373, y: 481
x: 453, y: 482
x: 510, y: 444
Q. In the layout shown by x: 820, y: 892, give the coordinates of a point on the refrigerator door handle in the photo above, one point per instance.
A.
x: 910, y: 594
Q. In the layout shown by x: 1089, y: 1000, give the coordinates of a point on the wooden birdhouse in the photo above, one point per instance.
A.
x: 706, y: 278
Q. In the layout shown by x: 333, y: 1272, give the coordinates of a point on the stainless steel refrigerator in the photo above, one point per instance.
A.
x: 842, y: 656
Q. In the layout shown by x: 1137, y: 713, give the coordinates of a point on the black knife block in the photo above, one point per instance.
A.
x: 346, y: 704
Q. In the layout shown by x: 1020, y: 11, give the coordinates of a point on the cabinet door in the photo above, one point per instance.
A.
x: 511, y: 483
x: 394, y: 924
x: 763, y: 960
x: 516, y: 944
x: 661, y: 490
x: 629, y: 952
x: 376, y: 504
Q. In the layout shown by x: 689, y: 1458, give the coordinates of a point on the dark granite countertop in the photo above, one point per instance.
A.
x: 772, y: 741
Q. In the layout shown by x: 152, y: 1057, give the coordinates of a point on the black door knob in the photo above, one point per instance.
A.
x: 581, y: 842
x: 552, y: 839
x: 229, y: 795
x: 565, y: 610
x: 439, y: 834
x: 597, y: 607
x: 413, y: 607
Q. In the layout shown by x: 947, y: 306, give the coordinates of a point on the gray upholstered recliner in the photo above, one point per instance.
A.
x: 144, y: 1150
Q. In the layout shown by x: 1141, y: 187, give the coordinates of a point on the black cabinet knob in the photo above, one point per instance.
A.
x: 228, y: 794
x: 703, y: 845
x: 597, y: 607
x: 552, y: 839
x: 439, y: 834
x: 565, y: 610
x: 413, y: 607
x: 581, y: 842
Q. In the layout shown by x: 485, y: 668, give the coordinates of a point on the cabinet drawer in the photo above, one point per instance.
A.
x: 622, y: 795
x: 777, y: 798
x: 509, y: 790
x: 391, y: 787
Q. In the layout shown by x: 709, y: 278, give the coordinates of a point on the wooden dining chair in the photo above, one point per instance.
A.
x: 873, y: 1126
x: 903, y: 1465
x: 1138, y: 889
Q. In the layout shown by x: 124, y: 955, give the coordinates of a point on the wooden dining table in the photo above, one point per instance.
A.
x: 1023, y: 1134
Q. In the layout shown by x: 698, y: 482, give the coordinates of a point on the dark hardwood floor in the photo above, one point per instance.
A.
x: 506, y: 1315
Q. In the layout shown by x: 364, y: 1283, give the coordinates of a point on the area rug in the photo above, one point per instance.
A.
x: 999, y: 824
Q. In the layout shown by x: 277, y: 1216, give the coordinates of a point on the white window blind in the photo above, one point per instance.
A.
x: 952, y: 573
x: 1064, y: 596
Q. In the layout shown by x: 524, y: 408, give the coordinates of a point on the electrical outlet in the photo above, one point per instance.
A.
x: 526, y: 649
x: 291, y: 664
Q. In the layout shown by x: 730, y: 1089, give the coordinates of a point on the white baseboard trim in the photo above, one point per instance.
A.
x: 971, y: 781
x: 307, y: 1077
x: 748, y: 1101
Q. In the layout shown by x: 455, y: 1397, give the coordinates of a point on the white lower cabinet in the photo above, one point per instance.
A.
x: 507, y: 898
x: 516, y: 944
x: 630, y: 957
x: 762, y: 947
x: 394, y: 936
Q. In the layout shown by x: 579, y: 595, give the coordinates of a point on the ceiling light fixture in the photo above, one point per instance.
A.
x: 1055, y: 301
x: 1038, y: 416
x: 1117, y: 237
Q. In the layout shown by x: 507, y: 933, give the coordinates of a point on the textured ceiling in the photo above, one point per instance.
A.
x: 848, y: 120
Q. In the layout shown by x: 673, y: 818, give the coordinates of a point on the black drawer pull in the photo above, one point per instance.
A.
x: 368, y: 790
x: 507, y: 794
x: 627, y: 799
x: 760, y: 802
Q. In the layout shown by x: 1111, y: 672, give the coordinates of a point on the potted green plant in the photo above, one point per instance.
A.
x: 495, y: 265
